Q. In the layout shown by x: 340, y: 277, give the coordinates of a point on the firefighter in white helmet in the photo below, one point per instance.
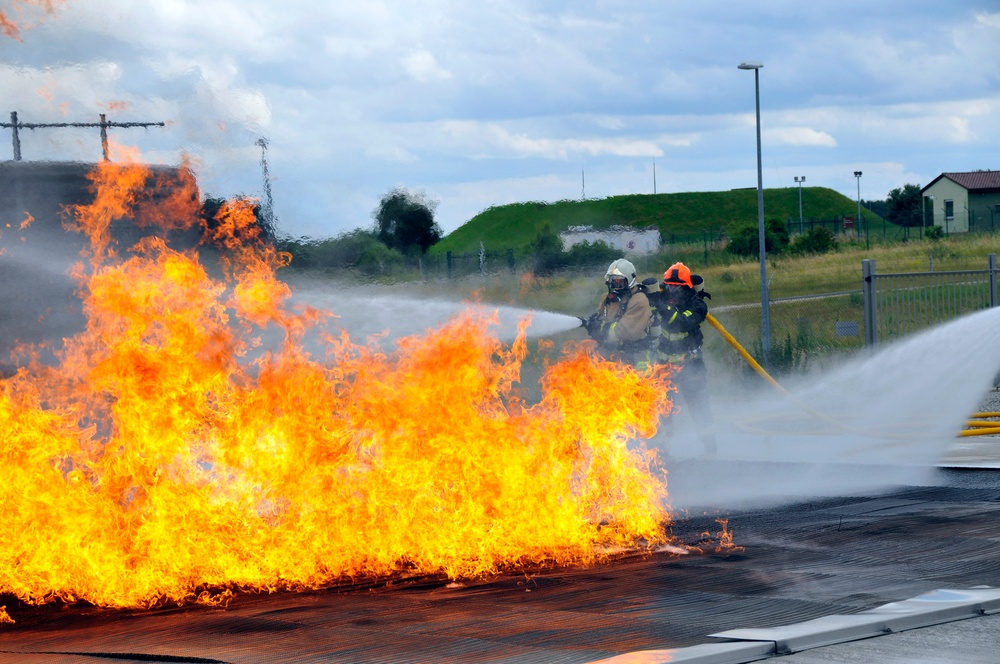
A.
x: 621, y: 324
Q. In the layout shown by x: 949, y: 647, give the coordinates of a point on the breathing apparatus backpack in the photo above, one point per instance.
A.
x: 655, y: 322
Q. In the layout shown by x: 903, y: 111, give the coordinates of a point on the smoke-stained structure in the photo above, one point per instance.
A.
x: 38, y: 247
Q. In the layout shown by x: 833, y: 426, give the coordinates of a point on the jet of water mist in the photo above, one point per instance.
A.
x: 881, y: 420
x: 364, y: 314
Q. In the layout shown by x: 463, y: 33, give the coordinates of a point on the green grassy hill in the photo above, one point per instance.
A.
x: 681, y: 217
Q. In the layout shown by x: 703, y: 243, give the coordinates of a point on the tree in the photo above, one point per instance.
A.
x: 817, y: 240
x: 744, y: 240
x: 404, y: 221
x: 586, y: 254
x: 903, y: 206
x: 878, y: 207
x: 546, y: 251
x: 357, y: 250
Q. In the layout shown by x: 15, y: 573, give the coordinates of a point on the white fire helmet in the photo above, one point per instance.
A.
x: 620, y: 275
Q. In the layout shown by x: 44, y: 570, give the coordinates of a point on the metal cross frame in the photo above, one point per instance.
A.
x: 15, y: 125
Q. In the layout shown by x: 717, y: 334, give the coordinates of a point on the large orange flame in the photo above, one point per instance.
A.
x: 156, y: 462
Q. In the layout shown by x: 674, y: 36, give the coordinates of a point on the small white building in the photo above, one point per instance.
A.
x: 627, y: 239
x: 962, y: 202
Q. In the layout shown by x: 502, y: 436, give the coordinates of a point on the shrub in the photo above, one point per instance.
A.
x: 818, y: 240
x: 355, y: 250
x: 546, y: 252
x: 744, y: 239
x: 586, y: 254
x: 934, y: 233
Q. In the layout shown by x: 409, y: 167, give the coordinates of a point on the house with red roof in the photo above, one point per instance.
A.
x: 963, y: 202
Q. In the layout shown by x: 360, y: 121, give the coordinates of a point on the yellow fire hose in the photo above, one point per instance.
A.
x: 976, y: 427
x: 744, y: 354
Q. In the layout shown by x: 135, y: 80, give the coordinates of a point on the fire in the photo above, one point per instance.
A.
x: 168, y: 456
x: 725, y: 543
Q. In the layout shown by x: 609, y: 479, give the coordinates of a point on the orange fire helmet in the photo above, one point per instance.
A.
x: 678, y: 273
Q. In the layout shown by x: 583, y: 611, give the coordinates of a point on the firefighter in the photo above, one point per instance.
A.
x: 681, y: 308
x: 621, y: 324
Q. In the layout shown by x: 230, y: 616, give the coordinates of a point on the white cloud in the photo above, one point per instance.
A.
x: 798, y: 136
x: 423, y: 67
x: 960, y: 131
x: 491, y: 140
x: 988, y: 20
x: 500, y: 100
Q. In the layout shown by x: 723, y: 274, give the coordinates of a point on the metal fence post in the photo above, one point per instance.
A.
x: 868, y: 287
x: 14, y: 137
x: 991, y: 261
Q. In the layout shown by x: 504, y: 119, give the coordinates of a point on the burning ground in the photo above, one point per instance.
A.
x: 164, y: 456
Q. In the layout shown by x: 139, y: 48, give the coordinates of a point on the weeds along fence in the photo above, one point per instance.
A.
x: 807, y: 331
x: 896, y: 305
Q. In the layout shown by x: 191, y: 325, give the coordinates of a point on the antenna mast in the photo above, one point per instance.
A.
x: 268, y: 211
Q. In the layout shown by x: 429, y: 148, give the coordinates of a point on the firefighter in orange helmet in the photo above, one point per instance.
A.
x: 681, y: 308
x: 621, y: 325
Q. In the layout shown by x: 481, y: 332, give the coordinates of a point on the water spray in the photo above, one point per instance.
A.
x: 982, y: 424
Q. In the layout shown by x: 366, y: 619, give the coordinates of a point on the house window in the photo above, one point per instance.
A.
x: 949, y: 210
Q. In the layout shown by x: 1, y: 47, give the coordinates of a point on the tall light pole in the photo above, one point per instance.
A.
x: 800, y: 180
x: 857, y: 175
x: 765, y: 311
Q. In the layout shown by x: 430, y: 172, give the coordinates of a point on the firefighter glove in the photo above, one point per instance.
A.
x: 593, y: 325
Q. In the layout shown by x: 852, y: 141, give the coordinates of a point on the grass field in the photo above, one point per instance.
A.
x: 681, y: 217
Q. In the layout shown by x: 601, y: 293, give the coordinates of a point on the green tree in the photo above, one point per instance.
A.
x: 586, y: 254
x: 546, y: 251
x: 404, y: 221
x: 744, y: 239
x: 358, y: 250
x: 818, y: 240
x: 903, y: 206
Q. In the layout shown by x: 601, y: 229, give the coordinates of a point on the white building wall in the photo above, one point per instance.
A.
x: 628, y: 240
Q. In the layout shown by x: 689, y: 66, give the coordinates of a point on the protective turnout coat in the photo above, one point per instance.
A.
x: 681, y: 312
x: 624, y: 326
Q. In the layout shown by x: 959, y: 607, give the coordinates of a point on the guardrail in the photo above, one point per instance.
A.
x: 899, y: 304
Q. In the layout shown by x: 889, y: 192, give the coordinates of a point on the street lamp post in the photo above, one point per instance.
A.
x: 765, y: 310
x: 868, y: 245
x: 800, y: 180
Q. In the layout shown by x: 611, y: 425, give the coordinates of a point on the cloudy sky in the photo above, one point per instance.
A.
x: 489, y: 102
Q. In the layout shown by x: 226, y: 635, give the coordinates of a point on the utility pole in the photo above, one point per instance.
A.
x: 800, y: 180
x: 765, y: 302
x: 857, y: 174
x: 15, y: 125
x: 268, y: 200
x: 654, y: 177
